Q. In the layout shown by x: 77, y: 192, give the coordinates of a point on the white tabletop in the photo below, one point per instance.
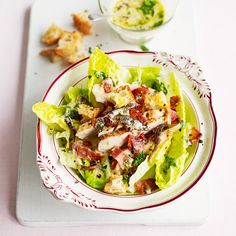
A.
x: 216, y: 51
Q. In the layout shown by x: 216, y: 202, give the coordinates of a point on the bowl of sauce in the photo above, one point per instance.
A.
x: 137, y: 21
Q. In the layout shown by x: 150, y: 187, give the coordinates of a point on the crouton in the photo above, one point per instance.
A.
x: 52, y: 35
x: 155, y: 101
x: 50, y: 54
x: 88, y: 112
x: 82, y: 23
x: 68, y: 44
x: 116, y: 185
x: 121, y: 96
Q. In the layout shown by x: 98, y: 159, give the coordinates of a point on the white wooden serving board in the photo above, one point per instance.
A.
x: 35, y: 205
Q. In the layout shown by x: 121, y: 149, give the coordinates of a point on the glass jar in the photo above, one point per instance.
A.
x: 137, y: 36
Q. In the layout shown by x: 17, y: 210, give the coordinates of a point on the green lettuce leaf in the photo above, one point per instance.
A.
x: 171, y: 167
x: 68, y: 159
x: 98, y: 177
x: 101, y: 66
x: 175, y: 90
x: 64, y: 139
x: 71, y: 96
x: 156, y: 157
x: 51, y: 115
x: 144, y: 75
x: 167, y: 172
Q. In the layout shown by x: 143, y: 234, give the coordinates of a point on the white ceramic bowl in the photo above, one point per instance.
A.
x: 66, y: 186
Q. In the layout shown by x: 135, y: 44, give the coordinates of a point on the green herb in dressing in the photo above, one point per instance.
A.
x: 138, y: 14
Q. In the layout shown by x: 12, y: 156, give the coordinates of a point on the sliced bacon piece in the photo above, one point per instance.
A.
x: 89, y: 167
x: 137, y: 114
x: 120, y: 156
x: 194, y: 135
x: 144, y: 186
x: 86, y: 153
x: 174, y: 101
x: 139, y: 94
x: 136, y: 143
x: 77, y: 143
x: 108, y: 107
x: 174, y: 117
x: 107, y: 87
x: 87, y: 143
x: 113, y: 164
x: 108, y: 121
x: 115, y: 152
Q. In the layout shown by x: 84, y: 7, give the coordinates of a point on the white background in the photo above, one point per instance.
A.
x: 216, y: 51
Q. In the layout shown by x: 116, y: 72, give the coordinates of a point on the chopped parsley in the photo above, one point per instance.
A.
x: 144, y: 48
x: 139, y: 159
x: 125, y: 179
x: 169, y: 161
x: 158, y: 23
x: 72, y: 114
x: 90, y: 51
x: 100, y: 75
x: 84, y: 92
x: 159, y: 86
x: 161, y: 14
x: 100, y: 126
x: 148, y: 7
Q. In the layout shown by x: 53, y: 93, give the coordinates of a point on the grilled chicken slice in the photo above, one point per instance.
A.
x: 155, y: 118
x: 85, y: 130
x: 116, y: 139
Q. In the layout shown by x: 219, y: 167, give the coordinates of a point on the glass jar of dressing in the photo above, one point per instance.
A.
x: 137, y: 21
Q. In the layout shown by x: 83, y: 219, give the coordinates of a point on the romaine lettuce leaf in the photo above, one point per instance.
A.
x: 68, y: 159
x: 144, y: 75
x: 64, y: 139
x: 51, y: 115
x: 71, y: 96
x: 98, y: 177
x: 175, y: 90
x: 171, y: 167
x: 156, y: 157
x: 101, y: 66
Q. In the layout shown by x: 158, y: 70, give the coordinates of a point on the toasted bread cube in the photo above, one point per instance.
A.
x: 74, y: 58
x: 68, y: 44
x: 121, y: 97
x: 155, y: 101
x: 51, y: 54
x: 82, y: 23
x: 116, y: 185
x: 52, y: 35
x: 88, y: 112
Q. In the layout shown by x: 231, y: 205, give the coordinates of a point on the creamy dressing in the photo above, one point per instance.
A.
x: 138, y: 14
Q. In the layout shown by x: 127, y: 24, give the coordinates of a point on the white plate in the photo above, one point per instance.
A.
x: 66, y: 186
